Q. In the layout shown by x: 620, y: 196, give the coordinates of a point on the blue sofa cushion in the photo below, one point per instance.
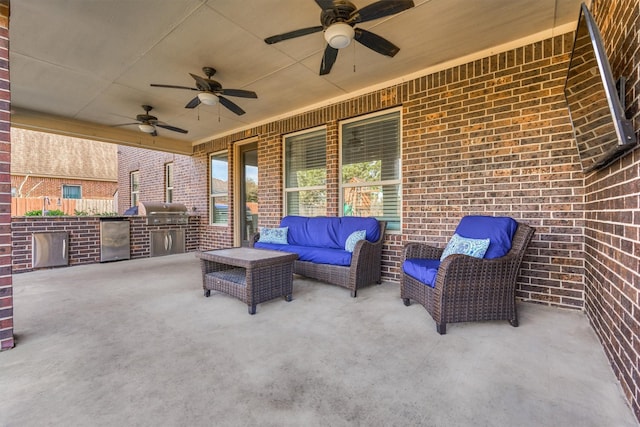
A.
x: 311, y: 254
x: 421, y: 269
x: 499, y: 230
x: 349, y: 224
x: 328, y: 232
x: 319, y: 232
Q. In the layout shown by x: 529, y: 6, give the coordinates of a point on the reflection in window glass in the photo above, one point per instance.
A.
x: 168, y: 179
x: 370, y: 169
x: 135, y: 187
x: 71, y: 192
x: 306, y: 173
x: 219, y: 187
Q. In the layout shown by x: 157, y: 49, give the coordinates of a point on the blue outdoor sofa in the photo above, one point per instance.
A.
x: 344, y: 251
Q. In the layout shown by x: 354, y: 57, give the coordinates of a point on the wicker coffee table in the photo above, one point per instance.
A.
x: 251, y: 275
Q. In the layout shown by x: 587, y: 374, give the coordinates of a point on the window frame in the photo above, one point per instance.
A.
x: 396, y: 181
x: 212, y: 195
x: 168, y: 182
x: 134, y: 193
x: 78, y: 186
x: 286, y: 190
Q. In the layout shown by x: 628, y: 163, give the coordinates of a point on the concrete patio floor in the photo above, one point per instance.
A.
x: 135, y: 343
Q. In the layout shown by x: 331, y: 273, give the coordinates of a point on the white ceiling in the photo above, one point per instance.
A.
x: 93, y: 60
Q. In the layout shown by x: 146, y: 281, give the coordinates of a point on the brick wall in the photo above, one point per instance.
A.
x: 612, y: 214
x: 6, y: 283
x: 84, y: 237
x: 189, y: 175
x: 488, y: 137
x: 36, y: 186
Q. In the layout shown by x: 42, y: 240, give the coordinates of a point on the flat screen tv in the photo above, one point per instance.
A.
x: 601, y: 130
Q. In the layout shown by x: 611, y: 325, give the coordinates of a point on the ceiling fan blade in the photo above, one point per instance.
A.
x: 239, y: 93
x: 325, y: 4
x: 231, y: 106
x: 173, y: 87
x: 126, y: 124
x: 375, y: 42
x: 193, y: 103
x: 202, y: 84
x: 154, y: 133
x: 328, y: 59
x: 173, y: 128
x: 292, y: 34
x: 380, y: 9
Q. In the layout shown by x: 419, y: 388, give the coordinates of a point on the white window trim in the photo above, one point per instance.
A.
x: 398, y: 181
x: 286, y: 190
x: 168, y: 187
x: 131, y: 191
x: 213, y: 195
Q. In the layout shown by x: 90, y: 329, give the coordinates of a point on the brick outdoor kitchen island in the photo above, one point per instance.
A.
x: 251, y: 275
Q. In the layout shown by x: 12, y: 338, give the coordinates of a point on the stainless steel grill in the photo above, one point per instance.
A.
x: 159, y: 213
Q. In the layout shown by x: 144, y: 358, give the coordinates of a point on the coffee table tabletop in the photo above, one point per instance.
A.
x: 247, y: 257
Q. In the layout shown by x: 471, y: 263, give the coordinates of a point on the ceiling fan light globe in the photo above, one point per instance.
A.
x: 339, y: 35
x: 208, y: 98
x: 146, y: 128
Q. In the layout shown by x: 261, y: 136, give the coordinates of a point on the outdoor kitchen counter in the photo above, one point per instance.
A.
x: 84, y: 236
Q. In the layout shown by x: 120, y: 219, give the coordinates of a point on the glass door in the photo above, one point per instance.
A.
x: 247, y: 221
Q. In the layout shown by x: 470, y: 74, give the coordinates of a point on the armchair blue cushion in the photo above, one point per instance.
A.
x: 499, y: 229
x: 422, y: 269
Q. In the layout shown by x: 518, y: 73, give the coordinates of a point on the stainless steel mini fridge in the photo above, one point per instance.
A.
x: 115, y: 239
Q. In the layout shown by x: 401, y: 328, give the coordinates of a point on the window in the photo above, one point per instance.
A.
x: 168, y: 182
x: 370, y: 166
x: 219, y: 187
x: 71, y: 192
x: 305, y: 170
x: 135, y: 187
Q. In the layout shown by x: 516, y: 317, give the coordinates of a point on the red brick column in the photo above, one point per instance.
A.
x: 6, y: 288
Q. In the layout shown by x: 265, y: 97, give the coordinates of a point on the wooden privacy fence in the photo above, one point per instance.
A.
x: 22, y: 205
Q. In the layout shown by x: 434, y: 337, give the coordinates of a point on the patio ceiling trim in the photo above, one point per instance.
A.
x: 40, y: 122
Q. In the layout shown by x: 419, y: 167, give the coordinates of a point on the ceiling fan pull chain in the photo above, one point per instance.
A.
x: 354, y: 57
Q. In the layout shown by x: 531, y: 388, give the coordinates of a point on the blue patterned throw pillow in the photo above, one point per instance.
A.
x: 274, y: 235
x: 463, y: 245
x: 354, y: 238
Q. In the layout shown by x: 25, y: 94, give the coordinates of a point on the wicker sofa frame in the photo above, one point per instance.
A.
x: 467, y: 288
x: 365, y: 268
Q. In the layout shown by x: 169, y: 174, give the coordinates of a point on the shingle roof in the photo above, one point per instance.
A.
x: 45, y: 154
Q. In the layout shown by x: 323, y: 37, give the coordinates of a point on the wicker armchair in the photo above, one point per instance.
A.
x: 467, y: 288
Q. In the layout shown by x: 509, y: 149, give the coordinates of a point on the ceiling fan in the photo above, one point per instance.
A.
x: 147, y: 123
x: 338, y: 19
x: 211, y: 92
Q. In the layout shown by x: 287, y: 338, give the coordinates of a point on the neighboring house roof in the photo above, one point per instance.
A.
x: 51, y: 155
